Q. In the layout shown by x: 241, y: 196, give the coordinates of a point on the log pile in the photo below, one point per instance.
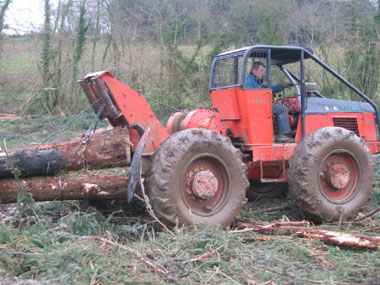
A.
x: 72, y: 169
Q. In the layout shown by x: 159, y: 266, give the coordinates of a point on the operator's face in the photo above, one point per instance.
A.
x: 259, y: 72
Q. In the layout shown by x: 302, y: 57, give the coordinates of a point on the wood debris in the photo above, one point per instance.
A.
x: 9, y: 117
x: 151, y: 264
x: 304, y: 230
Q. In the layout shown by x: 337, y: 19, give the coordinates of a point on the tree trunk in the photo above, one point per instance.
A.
x: 103, y: 184
x: 96, y: 35
x: 102, y: 150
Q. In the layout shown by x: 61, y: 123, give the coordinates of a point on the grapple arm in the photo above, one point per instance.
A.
x: 123, y: 106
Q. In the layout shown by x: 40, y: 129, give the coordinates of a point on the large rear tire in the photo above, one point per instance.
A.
x: 197, y: 176
x: 331, y: 174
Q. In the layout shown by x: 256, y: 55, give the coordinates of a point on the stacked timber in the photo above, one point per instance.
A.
x: 94, y: 167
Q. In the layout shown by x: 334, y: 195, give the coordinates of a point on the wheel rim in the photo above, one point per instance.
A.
x: 205, y: 185
x: 339, y: 176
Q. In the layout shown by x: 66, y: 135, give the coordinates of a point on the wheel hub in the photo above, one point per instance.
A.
x: 205, y: 184
x: 337, y: 176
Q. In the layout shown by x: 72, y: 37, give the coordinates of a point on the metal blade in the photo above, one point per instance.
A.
x: 134, y: 174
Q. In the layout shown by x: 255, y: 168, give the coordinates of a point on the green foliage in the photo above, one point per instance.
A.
x: 46, y: 52
x: 61, y: 251
x: 269, y: 34
x: 20, y: 63
x: 79, y: 43
x: 48, y: 100
x: 218, y: 7
x: 59, y: 77
x: 81, y: 34
x: 188, y: 73
x: 363, y: 55
x: 3, y: 8
x: 32, y: 131
x: 164, y: 49
x: 67, y: 249
x: 25, y: 203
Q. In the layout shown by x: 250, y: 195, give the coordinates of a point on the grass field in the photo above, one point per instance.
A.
x: 72, y: 242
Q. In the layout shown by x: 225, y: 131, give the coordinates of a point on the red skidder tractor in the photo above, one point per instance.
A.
x: 199, y: 168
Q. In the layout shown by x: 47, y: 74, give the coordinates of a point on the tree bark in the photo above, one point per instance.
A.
x: 102, y: 150
x: 102, y: 184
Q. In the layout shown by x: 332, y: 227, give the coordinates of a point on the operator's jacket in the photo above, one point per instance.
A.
x: 251, y: 83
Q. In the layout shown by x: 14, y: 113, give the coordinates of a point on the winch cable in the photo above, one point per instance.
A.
x: 163, y: 104
x: 94, y: 123
x: 73, y: 119
x: 86, y: 137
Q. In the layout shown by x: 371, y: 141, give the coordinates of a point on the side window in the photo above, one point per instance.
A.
x: 257, y: 56
x: 227, y: 72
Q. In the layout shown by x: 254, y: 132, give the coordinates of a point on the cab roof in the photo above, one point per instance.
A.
x: 279, y: 54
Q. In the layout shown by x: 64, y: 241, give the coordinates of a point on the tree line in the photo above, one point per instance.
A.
x: 164, y: 48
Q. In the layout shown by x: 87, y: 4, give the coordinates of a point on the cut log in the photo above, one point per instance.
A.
x: 102, y: 150
x: 103, y: 184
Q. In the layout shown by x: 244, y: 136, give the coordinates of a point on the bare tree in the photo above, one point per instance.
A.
x: 3, y: 8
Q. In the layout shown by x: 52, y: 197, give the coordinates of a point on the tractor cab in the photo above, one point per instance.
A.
x: 247, y: 114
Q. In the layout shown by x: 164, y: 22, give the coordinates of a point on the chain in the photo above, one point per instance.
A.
x: 88, y: 132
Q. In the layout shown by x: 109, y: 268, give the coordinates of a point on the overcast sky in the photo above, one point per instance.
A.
x: 24, y: 16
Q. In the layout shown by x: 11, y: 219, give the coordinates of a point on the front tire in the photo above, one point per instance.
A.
x: 331, y: 174
x: 197, y: 176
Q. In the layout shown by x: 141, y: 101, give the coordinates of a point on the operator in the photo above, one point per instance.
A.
x: 254, y: 80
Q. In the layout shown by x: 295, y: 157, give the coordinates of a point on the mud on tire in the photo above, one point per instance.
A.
x: 197, y: 176
x: 331, y: 174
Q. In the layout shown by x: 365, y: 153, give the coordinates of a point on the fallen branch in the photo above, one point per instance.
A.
x: 318, y: 256
x: 218, y: 271
x: 60, y: 227
x: 150, y: 209
x: 156, y: 267
x: 368, y: 215
x: 371, y: 229
x: 260, y: 227
x: 205, y: 255
x: 299, y: 229
x: 9, y: 117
